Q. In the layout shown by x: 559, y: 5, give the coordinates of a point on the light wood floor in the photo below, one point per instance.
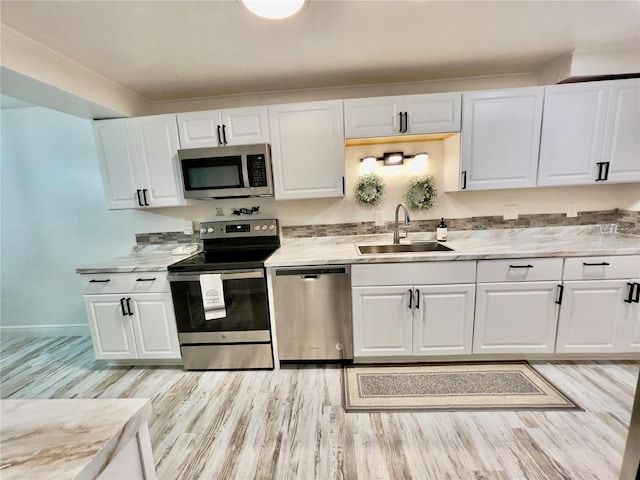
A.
x: 290, y: 424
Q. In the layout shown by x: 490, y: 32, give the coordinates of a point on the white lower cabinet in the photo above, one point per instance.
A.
x: 418, y: 319
x: 518, y: 317
x: 127, y: 325
x: 598, y: 317
x: 382, y: 321
x: 600, y: 310
x: 516, y: 305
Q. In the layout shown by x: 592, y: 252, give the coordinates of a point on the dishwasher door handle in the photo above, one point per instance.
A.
x: 309, y: 277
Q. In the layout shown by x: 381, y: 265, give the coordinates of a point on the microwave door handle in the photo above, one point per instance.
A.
x: 245, y: 172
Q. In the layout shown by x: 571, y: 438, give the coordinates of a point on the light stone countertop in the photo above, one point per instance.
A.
x: 143, y: 258
x: 65, y: 439
x: 466, y: 245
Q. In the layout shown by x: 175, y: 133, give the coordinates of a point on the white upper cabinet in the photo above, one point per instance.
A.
x: 402, y: 115
x: 159, y: 176
x: 572, y: 133
x: 307, y: 150
x: 622, y: 132
x: 591, y: 133
x: 138, y: 161
x: 117, y: 156
x: 216, y: 128
x: 500, y: 138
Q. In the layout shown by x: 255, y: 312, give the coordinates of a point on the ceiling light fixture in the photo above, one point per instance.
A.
x: 273, y: 9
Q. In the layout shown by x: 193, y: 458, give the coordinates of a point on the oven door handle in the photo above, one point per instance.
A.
x: 190, y: 277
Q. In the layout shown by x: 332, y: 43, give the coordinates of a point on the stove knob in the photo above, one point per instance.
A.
x: 272, y: 227
x: 257, y: 228
x: 203, y: 230
x: 209, y: 230
x: 264, y: 227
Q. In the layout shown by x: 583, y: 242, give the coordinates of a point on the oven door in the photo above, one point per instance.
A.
x: 245, y: 298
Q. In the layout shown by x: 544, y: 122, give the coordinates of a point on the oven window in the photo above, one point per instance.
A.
x: 245, y: 303
x: 208, y: 173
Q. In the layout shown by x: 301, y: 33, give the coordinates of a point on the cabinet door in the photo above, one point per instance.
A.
x: 157, y: 142
x: 500, y: 138
x: 516, y: 317
x: 382, y: 321
x: 111, y: 331
x: 443, y: 319
x: 631, y: 335
x: 372, y: 117
x: 433, y: 113
x: 307, y: 147
x: 572, y: 133
x: 593, y: 316
x: 199, y: 129
x: 154, y: 324
x: 116, y: 153
x: 245, y: 126
x: 622, y: 131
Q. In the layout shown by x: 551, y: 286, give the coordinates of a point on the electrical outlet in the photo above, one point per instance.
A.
x: 187, y: 227
x: 510, y: 212
x: 379, y: 218
x: 572, y: 210
x: 219, y: 212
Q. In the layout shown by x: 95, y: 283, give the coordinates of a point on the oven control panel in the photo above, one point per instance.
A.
x: 242, y: 228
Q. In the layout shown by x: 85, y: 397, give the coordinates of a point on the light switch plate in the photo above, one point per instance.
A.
x: 572, y: 210
x: 511, y: 212
x: 379, y: 218
x: 187, y: 228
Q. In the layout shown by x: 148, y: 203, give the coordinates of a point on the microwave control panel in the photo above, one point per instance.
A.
x: 257, y: 169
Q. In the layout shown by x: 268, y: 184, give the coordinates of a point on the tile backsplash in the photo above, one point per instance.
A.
x: 627, y: 222
x: 607, y: 221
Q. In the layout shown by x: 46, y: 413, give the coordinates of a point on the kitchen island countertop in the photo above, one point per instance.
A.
x: 466, y: 245
x: 67, y: 439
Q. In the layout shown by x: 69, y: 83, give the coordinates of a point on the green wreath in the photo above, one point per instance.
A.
x: 420, y: 192
x: 368, y: 190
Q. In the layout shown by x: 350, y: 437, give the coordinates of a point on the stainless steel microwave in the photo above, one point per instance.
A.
x: 223, y: 172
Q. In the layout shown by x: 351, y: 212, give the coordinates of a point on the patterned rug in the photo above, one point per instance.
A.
x: 478, y: 386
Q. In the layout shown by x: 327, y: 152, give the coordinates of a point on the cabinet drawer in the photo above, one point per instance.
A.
x: 137, y: 282
x: 602, y: 268
x: 421, y: 273
x: 520, y: 270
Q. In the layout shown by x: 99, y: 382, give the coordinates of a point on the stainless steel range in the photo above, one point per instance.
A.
x: 236, y: 333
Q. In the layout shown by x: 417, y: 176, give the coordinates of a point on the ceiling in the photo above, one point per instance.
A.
x: 174, y: 50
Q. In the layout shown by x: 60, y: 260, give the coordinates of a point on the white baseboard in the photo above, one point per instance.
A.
x: 45, y: 331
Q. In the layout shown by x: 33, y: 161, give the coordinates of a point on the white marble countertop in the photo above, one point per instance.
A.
x: 65, y: 439
x: 466, y: 245
x: 143, y: 258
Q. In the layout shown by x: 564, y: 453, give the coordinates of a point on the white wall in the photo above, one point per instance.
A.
x: 54, y: 219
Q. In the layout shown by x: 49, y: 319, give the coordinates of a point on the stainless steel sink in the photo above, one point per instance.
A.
x: 403, y: 248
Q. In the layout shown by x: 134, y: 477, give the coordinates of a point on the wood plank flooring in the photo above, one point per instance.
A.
x: 290, y: 424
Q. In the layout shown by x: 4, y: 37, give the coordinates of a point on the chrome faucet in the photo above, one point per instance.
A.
x: 407, y: 221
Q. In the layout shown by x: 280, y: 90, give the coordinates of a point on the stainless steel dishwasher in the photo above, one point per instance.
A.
x: 313, y: 313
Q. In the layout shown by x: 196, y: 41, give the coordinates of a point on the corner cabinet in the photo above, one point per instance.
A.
x: 500, y: 138
x: 601, y: 306
x: 131, y: 316
x: 590, y: 133
x: 400, y: 310
x: 307, y: 150
x: 216, y: 128
x: 402, y: 115
x: 138, y: 161
x: 517, y: 305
